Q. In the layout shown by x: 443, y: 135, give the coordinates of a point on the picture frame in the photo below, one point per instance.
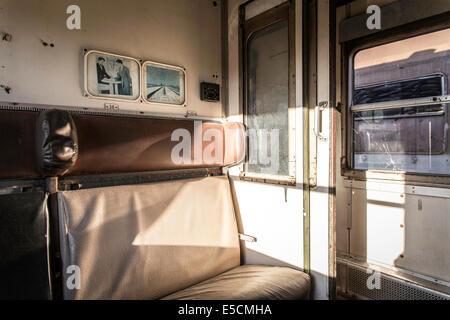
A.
x: 164, y: 84
x: 112, y: 77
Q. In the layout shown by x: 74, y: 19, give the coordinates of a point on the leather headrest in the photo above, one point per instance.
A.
x: 56, y: 142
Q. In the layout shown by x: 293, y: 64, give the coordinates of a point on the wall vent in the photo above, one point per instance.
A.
x: 391, y: 288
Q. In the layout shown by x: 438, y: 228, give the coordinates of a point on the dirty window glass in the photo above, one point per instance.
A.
x: 399, y: 110
x: 267, y: 100
x: 400, y: 90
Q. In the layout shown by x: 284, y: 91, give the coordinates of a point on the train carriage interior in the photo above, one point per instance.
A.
x: 224, y: 150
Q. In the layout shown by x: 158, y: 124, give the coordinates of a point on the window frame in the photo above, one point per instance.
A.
x: 281, y: 12
x: 348, y: 51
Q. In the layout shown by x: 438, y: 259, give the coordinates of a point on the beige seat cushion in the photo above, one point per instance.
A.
x: 250, y: 282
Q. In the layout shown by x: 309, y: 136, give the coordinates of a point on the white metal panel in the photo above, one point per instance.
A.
x: 319, y: 207
x: 272, y: 214
x: 427, y: 237
x: 385, y: 227
x: 394, y: 227
x: 377, y: 231
x: 398, y: 186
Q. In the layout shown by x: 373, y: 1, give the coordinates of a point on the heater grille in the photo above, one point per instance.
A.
x: 390, y: 288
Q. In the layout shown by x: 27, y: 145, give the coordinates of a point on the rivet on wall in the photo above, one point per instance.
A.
x: 6, y: 88
x: 5, y: 36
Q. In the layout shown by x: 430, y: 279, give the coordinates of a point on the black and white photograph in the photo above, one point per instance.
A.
x: 112, y: 76
x: 164, y: 84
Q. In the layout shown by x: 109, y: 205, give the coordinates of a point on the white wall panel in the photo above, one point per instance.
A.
x: 183, y: 33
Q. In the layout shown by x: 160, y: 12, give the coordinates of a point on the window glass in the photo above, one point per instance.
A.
x: 400, y: 90
x: 268, y: 100
x: 412, y: 137
x: 391, y: 65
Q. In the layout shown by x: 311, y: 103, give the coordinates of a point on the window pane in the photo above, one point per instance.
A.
x: 412, y: 138
x: 267, y: 100
x: 409, y: 139
x: 396, y: 71
x: 400, y: 90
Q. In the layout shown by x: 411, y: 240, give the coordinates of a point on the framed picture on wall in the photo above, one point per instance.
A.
x: 110, y: 76
x: 163, y: 84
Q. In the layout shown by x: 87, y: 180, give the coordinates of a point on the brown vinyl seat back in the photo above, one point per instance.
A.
x: 147, y: 241
x: 56, y: 143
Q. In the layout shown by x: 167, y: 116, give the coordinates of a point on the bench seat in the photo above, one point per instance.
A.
x: 250, y: 282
